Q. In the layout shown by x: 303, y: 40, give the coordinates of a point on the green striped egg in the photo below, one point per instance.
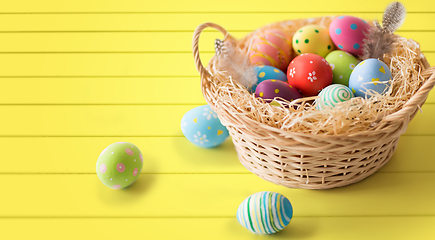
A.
x: 265, y: 212
x: 332, y: 95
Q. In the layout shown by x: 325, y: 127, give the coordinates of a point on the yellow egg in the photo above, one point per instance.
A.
x: 313, y: 39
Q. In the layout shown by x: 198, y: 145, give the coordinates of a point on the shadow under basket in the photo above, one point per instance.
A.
x: 302, y: 160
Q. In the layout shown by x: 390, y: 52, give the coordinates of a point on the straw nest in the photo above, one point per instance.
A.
x: 298, y: 146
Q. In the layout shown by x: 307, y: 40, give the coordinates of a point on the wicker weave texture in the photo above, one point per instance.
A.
x: 316, y: 170
x: 309, y: 161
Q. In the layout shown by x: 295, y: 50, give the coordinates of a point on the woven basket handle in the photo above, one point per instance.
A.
x: 418, y: 99
x: 201, y: 69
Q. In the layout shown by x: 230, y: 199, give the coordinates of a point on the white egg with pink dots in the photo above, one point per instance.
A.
x: 117, y: 167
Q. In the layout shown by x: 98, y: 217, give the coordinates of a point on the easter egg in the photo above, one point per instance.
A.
x: 347, y: 33
x: 265, y: 212
x: 268, y: 72
x: 342, y: 63
x: 272, y: 48
x: 309, y: 73
x: 202, y: 127
x: 270, y: 89
x: 332, y: 95
x: 312, y: 39
x: 119, y: 165
x: 369, y: 74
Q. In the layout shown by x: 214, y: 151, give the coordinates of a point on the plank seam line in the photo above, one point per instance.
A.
x: 119, y: 76
x: 147, y: 173
x: 160, y: 31
x: 214, y: 12
x: 89, y: 136
x: 142, y: 136
x: 203, y: 217
x: 193, y: 173
x: 124, y: 52
x: 101, y: 76
x: 110, y: 52
x: 101, y: 104
x: 114, y: 104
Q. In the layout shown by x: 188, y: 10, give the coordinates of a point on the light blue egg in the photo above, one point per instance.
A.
x: 267, y: 73
x: 265, y: 212
x: 369, y: 72
x: 202, y: 127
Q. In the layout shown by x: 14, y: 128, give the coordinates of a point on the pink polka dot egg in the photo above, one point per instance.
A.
x: 119, y: 165
x: 348, y: 32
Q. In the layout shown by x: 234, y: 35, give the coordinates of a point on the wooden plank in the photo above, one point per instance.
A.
x: 153, y: 120
x: 180, y: 156
x: 423, y: 122
x: 431, y: 97
x: 412, y: 155
x: 200, y: 6
x: 140, y: 42
x: 109, y: 120
x: 208, y: 195
x: 101, y: 91
x: 152, y: 64
x: 361, y: 228
x: 185, y: 21
x: 83, y: 91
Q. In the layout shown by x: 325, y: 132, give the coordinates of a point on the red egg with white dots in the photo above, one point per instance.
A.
x: 309, y: 73
x: 270, y: 89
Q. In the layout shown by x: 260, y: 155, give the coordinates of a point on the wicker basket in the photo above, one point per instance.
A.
x: 300, y: 160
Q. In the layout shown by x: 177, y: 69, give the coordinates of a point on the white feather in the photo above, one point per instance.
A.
x: 394, y: 16
x: 236, y: 64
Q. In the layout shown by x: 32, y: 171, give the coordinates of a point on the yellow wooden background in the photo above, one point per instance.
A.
x: 79, y: 75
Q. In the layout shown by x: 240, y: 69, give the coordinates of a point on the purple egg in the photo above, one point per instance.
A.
x: 270, y: 89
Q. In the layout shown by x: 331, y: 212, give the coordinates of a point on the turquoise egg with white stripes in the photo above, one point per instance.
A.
x: 265, y: 212
x: 202, y: 127
x: 333, y: 95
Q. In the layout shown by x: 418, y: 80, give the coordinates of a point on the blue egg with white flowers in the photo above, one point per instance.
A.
x: 202, y: 127
x: 369, y: 74
x: 268, y: 73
